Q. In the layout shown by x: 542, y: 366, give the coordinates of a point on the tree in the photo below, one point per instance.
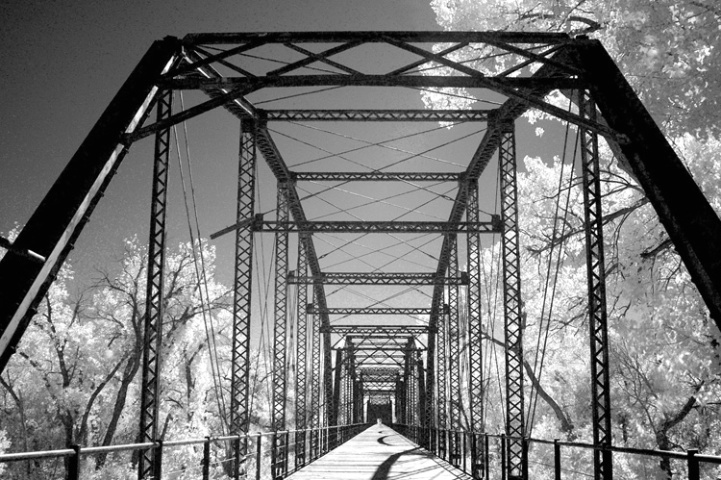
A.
x: 668, y: 49
x: 79, y: 359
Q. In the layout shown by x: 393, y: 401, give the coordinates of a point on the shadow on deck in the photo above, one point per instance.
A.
x: 379, y: 453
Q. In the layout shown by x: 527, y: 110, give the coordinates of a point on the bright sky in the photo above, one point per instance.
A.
x: 62, y: 62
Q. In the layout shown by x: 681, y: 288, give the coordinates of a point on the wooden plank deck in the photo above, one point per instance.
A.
x: 379, y: 453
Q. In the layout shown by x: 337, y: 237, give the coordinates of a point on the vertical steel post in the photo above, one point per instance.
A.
x: 316, y: 385
x: 421, y: 394
x: 454, y: 352
x: 515, y: 428
x: 301, y: 352
x: 242, y: 284
x: 429, y: 412
x: 258, y: 456
x: 206, y: 459
x: 407, y: 386
x: 281, y: 331
x: 153, y: 320
x: 454, y: 339
x: 331, y: 412
x: 600, y: 383
x: 475, y: 350
x: 74, y: 464
x: 338, y: 381
x: 442, y: 378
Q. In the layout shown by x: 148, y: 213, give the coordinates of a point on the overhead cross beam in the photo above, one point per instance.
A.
x: 377, y: 227
x: 381, y: 278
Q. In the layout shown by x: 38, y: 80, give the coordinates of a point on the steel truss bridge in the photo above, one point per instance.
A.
x: 412, y: 362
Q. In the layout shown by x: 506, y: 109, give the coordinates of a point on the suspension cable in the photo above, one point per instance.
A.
x: 201, y: 278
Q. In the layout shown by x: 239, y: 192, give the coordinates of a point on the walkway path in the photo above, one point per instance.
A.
x: 379, y: 453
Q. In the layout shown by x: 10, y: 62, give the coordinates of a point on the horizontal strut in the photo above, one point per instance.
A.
x: 493, y: 226
x: 370, y: 311
x: 378, y: 115
x: 395, y: 278
x: 377, y: 176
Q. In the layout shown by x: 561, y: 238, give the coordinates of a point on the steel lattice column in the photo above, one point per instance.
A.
x: 475, y: 350
x: 330, y: 410
x: 280, y: 333
x: 316, y: 386
x: 152, y: 340
x: 242, y: 285
x: 454, y: 353
x: 600, y: 386
x: 517, y: 465
x: 301, y: 354
x: 398, y: 393
x: 338, y: 378
x: 442, y: 379
x: 429, y: 420
x: 421, y: 390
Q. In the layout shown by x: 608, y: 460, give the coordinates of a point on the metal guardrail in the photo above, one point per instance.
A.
x: 470, y: 451
x: 270, y: 451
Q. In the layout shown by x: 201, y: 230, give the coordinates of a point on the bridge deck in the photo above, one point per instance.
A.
x: 379, y: 453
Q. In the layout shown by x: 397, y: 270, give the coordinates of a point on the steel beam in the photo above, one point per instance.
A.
x: 243, y: 287
x: 442, y: 369
x: 475, y: 350
x: 375, y: 311
x: 388, y: 278
x: 148, y: 467
x: 596, y: 275
x: 56, y: 224
x: 301, y: 355
x: 316, y: 385
x: 370, y: 330
x: 510, y: 86
x: 508, y: 112
x: 377, y: 115
x: 376, y: 227
x: 338, y: 385
x: 454, y: 353
x: 376, y: 176
x: 523, y: 38
x: 691, y: 223
x: 517, y: 466
x: 280, y: 334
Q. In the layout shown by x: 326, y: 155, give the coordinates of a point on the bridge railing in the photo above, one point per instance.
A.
x: 481, y: 454
x: 252, y: 456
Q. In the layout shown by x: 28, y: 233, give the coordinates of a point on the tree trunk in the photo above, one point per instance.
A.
x: 129, y: 372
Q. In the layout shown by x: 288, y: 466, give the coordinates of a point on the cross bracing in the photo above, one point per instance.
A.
x: 380, y: 208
